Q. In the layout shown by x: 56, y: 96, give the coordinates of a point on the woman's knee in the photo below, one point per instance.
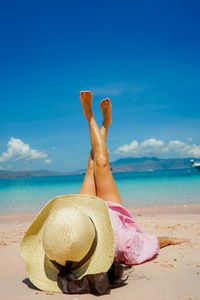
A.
x: 101, y: 161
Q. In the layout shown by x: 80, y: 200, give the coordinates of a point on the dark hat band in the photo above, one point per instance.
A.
x: 73, y: 265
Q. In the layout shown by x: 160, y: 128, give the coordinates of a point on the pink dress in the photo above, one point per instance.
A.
x: 132, y: 245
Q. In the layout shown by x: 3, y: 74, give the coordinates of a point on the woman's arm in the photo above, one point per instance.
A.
x: 166, y: 240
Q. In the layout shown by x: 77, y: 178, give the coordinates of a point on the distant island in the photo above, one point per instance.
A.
x: 143, y: 164
x: 130, y: 164
x: 4, y: 174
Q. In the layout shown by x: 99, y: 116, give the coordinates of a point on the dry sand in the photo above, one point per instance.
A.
x: 174, y: 274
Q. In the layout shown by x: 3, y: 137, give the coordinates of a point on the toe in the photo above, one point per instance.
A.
x: 82, y: 95
x: 87, y: 93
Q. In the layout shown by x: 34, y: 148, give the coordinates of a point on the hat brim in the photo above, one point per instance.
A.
x: 41, y: 271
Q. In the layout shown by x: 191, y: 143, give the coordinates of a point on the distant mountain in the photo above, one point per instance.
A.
x: 129, y: 164
x: 133, y: 164
x: 25, y: 174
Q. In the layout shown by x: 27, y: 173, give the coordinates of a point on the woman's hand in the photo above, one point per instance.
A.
x: 166, y: 241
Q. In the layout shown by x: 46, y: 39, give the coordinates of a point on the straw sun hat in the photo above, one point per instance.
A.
x: 73, y: 228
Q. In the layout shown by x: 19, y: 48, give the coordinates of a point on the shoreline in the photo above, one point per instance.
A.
x: 182, y: 209
x: 138, y: 211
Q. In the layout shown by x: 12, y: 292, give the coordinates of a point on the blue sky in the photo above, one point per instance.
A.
x: 143, y: 55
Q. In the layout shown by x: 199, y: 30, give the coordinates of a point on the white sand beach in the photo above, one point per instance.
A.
x: 173, y: 274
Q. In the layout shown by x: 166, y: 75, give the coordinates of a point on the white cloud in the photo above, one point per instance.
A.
x: 17, y: 150
x: 153, y: 147
x: 48, y: 161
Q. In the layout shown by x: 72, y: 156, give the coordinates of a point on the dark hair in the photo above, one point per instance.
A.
x: 99, y: 284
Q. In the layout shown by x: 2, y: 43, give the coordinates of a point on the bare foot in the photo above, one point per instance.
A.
x: 86, y: 100
x: 106, y: 110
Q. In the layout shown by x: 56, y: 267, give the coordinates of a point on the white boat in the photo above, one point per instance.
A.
x: 195, y: 164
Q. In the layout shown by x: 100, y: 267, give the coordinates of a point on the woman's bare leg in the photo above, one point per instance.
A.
x: 89, y: 186
x: 106, y: 188
x: 105, y: 106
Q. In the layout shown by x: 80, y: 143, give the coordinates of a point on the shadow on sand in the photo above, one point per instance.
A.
x: 29, y: 284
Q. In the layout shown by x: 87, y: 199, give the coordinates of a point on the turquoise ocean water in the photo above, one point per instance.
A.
x: 157, y: 188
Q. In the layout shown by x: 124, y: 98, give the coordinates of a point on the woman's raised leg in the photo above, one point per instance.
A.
x: 89, y: 186
x: 106, y: 187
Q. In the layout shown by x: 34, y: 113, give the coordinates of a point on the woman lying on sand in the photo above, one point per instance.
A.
x: 80, y: 243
